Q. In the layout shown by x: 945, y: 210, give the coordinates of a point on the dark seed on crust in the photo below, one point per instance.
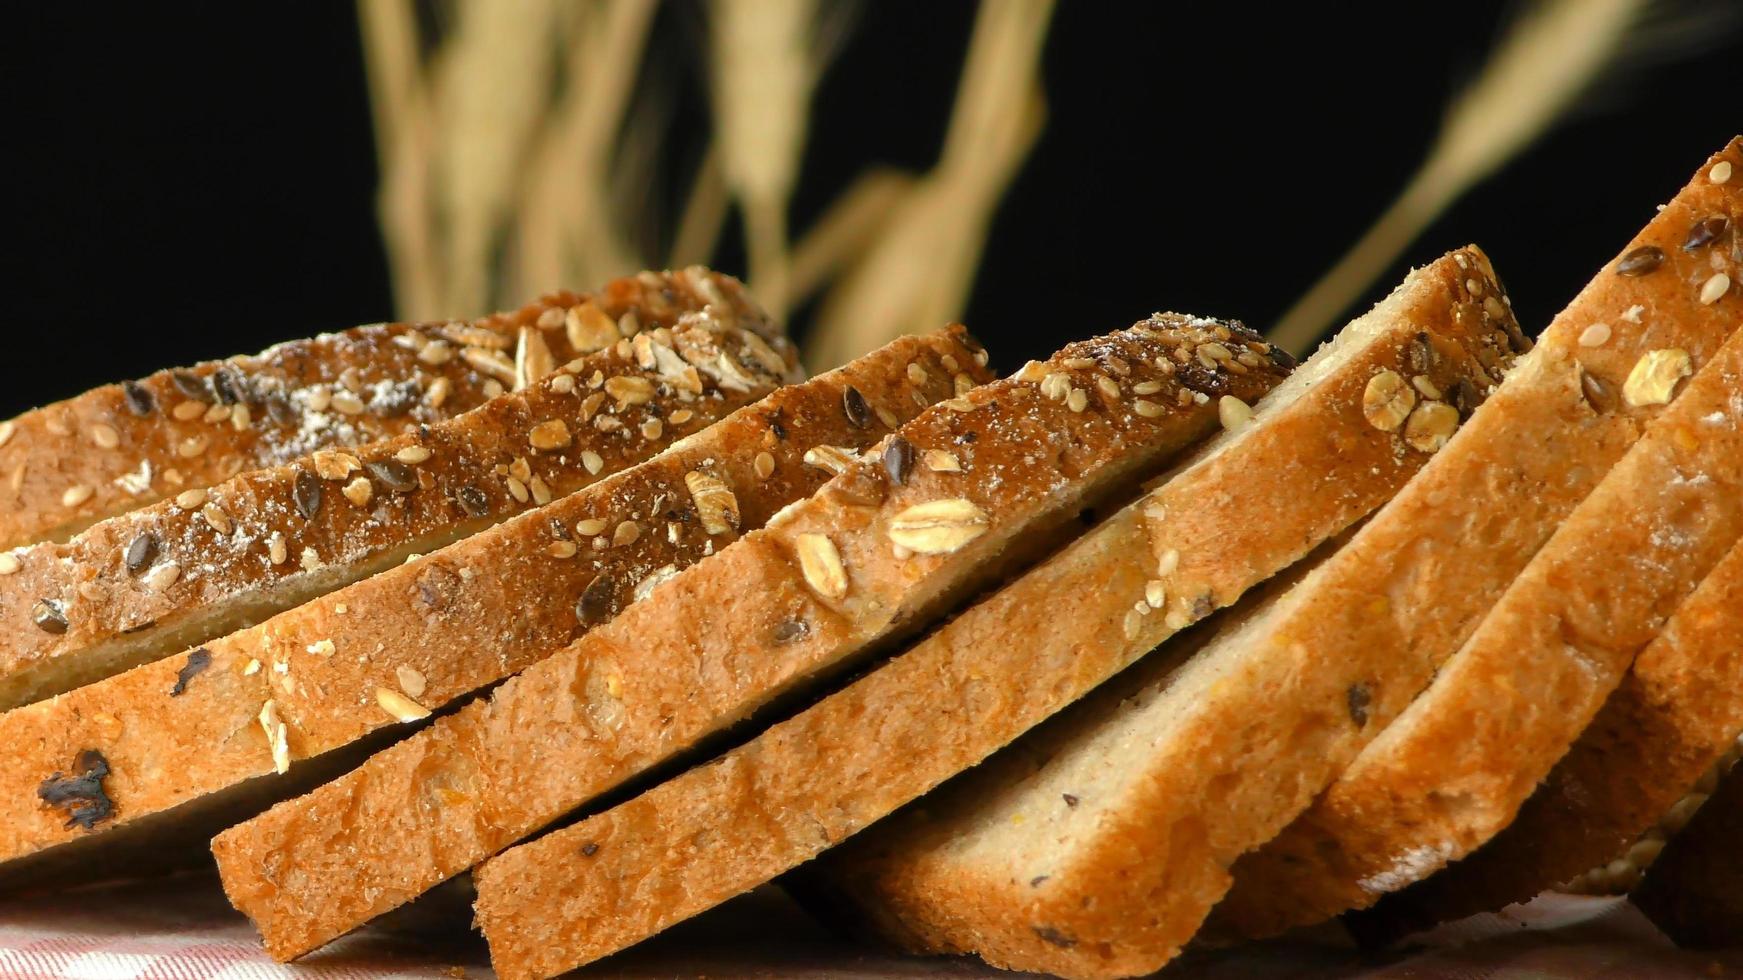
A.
x: 791, y: 631
x: 48, y: 616
x: 778, y: 429
x: 1705, y: 232
x: 306, y: 493
x: 1359, y: 697
x: 1420, y: 354
x: 229, y: 386
x: 280, y: 410
x: 82, y: 795
x: 1070, y: 800
x: 1054, y: 936
x: 594, y: 606
x: 899, y: 460
x: 140, y: 552
x: 589, y: 849
x: 198, y: 660
x: 1036, y: 881
x: 191, y: 385
x: 139, y: 400
x: 858, y: 412
x: 396, y: 475
x: 473, y: 501
x: 1596, y: 393
x: 1640, y: 261
x: 1465, y: 397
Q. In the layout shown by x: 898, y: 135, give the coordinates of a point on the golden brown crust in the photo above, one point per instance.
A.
x: 1660, y: 732
x: 1144, y: 863
x: 722, y: 828
x: 143, y: 585
x: 119, y: 447
x: 1691, y: 891
x: 1455, y: 766
x: 982, y: 478
x: 1317, y: 867
x: 412, y: 638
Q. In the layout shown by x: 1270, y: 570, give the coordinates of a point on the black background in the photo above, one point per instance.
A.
x: 198, y: 181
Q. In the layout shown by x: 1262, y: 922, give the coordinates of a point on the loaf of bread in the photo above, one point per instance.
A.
x: 116, y: 448
x: 971, y: 488
x: 1097, y: 846
x: 207, y: 562
x: 1664, y: 729
x: 188, y: 732
x: 1541, y: 663
x: 1230, y: 517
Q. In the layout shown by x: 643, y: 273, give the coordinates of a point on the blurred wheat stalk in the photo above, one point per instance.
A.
x: 514, y: 158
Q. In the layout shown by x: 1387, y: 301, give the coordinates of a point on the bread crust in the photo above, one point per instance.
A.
x: 1454, y: 768
x: 585, y: 891
x: 155, y: 581
x: 1665, y: 726
x: 119, y: 447
x: 413, y: 638
x: 986, y: 476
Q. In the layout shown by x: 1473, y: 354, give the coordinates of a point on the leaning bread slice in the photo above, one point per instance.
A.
x: 1343, y: 652
x: 1412, y: 586
x: 1456, y: 765
x: 187, y: 734
x: 1217, y: 525
x: 1672, y: 719
x: 209, y: 561
x: 1694, y: 891
x: 968, y: 489
x: 113, y: 449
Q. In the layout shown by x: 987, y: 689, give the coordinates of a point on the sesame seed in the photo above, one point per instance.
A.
x: 410, y: 680
x: 438, y: 392
x: 188, y: 411
x: 1076, y: 400
x: 241, y: 417
x: 1155, y: 594
x: 398, y: 706
x: 193, y: 446
x: 541, y: 491
x: 105, y: 436
x: 589, y: 527
x: 1148, y: 409
x: 562, y: 549
x: 1146, y: 387
x: 1596, y: 335
x: 413, y: 454
x: 681, y: 416
x: 1233, y: 413
x: 161, y: 577
x: 8, y: 563
x: 347, y: 403
x: 1714, y: 288
x: 1107, y: 386
x: 216, y: 518
x: 518, y: 490
x: 917, y: 374
x: 764, y: 465
x: 592, y: 462
x: 652, y: 429
x: 627, y: 532
x: 275, y: 549
x: 1721, y: 172
x: 77, y: 494
x: 563, y: 384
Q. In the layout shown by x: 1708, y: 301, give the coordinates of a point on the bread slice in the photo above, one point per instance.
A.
x: 1339, y: 656
x: 210, y: 561
x: 174, y: 734
x: 969, y: 489
x: 116, y: 448
x: 1692, y: 891
x: 1455, y: 766
x: 1673, y: 717
x: 956, y: 696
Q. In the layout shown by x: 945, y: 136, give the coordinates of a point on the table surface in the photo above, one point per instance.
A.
x: 181, y: 929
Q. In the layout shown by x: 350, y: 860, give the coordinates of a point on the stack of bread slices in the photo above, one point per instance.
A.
x: 604, y: 603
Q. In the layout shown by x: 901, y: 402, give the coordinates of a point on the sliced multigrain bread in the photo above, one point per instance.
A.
x: 1675, y: 715
x: 1456, y: 765
x: 1221, y: 522
x: 1694, y: 890
x: 68, y: 465
x: 1363, y: 633
x: 207, y: 562
x: 182, y: 733
x: 971, y: 488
